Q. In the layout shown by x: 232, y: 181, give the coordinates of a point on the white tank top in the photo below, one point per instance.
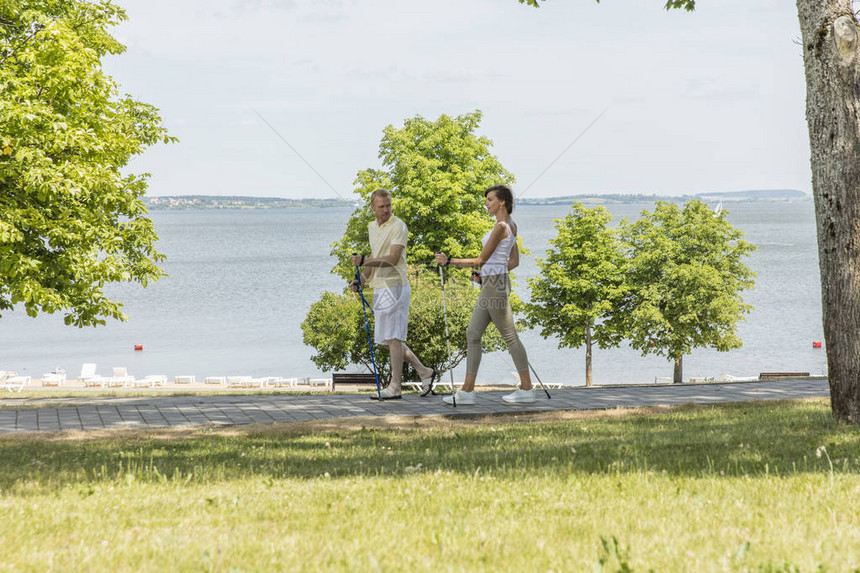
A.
x: 497, y: 264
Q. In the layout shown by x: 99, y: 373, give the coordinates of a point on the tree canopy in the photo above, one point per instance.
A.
x: 685, y: 276
x: 581, y: 283
x: 70, y: 219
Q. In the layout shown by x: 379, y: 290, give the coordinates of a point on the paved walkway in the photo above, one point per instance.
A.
x: 83, y: 414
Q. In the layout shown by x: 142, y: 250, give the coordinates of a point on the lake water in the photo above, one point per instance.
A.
x: 241, y: 282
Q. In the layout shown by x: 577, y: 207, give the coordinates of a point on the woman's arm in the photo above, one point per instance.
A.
x: 499, y: 232
x: 514, y: 258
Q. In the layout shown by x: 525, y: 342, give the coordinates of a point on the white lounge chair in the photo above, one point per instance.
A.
x: 120, y: 377
x: 221, y: 380
x: 730, y: 378
x: 89, y: 377
x: 238, y: 381
x: 320, y: 382
x: 251, y: 382
x: 150, y: 381
x: 54, y: 378
x: 11, y: 381
x: 284, y: 382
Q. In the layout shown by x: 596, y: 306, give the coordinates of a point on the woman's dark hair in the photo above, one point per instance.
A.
x: 503, y: 193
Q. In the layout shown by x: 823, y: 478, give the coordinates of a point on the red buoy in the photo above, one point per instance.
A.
x: 138, y: 346
x: 816, y: 344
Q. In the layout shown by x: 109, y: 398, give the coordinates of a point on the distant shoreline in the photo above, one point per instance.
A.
x: 196, y: 202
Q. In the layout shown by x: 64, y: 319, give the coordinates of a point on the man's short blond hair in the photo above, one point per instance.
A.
x: 385, y: 193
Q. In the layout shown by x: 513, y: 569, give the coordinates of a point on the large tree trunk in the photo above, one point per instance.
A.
x: 831, y: 56
x: 678, y: 374
x: 588, y: 356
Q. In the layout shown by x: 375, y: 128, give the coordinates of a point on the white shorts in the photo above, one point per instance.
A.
x: 391, y: 313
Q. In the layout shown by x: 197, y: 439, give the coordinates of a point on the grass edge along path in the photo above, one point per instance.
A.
x: 758, y: 486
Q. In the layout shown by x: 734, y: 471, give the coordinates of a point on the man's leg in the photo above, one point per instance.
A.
x: 395, y: 349
x: 423, y: 371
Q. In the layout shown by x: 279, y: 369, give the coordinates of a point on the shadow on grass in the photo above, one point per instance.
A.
x: 777, y: 438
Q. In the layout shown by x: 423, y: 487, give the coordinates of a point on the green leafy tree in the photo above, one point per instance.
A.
x: 437, y: 172
x: 581, y: 283
x: 334, y: 327
x: 685, y: 276
x: 70, y: 220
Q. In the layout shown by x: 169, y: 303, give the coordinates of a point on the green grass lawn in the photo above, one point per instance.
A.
x: 771, y: 486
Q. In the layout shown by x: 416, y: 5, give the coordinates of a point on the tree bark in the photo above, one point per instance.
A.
x: 678, y: 374
x: 588, y: 356
x: 831, y: 57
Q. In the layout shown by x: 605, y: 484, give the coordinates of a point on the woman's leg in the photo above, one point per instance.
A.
x: 502, y: 316
x: 474, y: 332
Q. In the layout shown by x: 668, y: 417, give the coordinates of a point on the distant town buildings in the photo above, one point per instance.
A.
x: 238, y: 202
x: 244, y: 202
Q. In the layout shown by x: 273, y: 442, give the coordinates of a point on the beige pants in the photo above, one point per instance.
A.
x: 493, y: 306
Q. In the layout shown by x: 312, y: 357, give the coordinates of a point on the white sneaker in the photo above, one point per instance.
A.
x: 464, y: 398
x: 520, y: 397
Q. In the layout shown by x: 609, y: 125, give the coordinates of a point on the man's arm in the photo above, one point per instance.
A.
x: 372, y: 263
x: 388, y: 260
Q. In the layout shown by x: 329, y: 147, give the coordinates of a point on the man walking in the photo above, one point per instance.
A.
x: 385, y: 272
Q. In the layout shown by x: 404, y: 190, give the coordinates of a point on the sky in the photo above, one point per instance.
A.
x: 710, y: 101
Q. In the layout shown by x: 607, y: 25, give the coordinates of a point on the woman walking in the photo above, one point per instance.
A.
x: 498, y: 255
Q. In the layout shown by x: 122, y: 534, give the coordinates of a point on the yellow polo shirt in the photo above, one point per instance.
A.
x: 382, y: 238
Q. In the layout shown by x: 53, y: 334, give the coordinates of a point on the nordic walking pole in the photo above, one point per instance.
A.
x: 533, y: 371
x: 364, y: 306
x: 447, y: 337
x: 539, y: 381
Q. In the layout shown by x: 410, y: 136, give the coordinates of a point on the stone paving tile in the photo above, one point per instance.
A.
x: 235, y: 415
x: 110, y: 416
x: 214, y: 415
x: 69, y: 419
x: 48, y: 419
x: 151, y: 415
x: 90, y: 419
x: 8, y: 420
x: 277, y: 413
x: 27, y: 421
x: 130, y: 415
x: 131, y: 425
x: 193, y: 414
x: 172, y: 415
x: 258, y: 415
